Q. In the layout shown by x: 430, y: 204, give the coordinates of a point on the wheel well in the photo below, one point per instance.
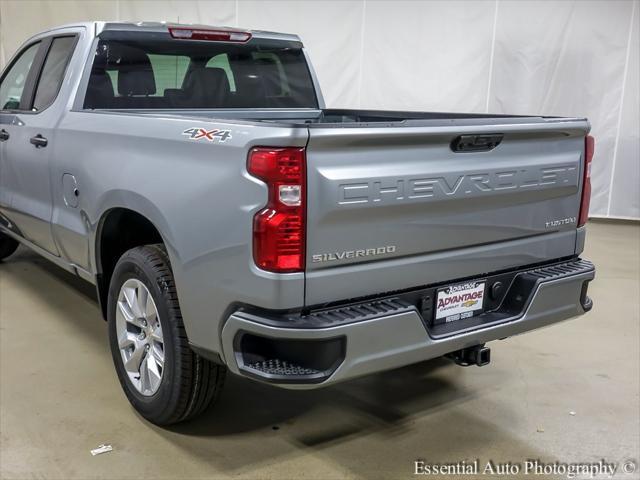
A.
x: 120, y: 230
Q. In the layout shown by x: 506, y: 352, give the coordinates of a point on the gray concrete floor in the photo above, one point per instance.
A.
x: 59, y: 396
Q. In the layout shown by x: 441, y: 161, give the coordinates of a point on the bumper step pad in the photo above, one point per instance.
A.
x: 281, y: 367
x: 562, y: 270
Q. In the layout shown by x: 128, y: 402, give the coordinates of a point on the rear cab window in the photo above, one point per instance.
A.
x: 140, y: 70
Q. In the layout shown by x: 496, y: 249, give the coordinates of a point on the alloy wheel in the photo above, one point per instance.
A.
x: 140, y: 337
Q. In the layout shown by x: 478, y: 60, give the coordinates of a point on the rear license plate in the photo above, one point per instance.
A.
x: 459, y: 301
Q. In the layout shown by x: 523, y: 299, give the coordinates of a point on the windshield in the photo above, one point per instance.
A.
x: 153, y: 72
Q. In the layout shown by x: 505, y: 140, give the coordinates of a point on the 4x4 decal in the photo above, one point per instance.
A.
x: 215, y: 135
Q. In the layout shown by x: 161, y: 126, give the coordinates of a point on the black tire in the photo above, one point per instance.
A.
x: 7, y: 246
x: 190, y: 383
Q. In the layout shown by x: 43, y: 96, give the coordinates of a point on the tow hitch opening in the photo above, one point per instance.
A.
x: 478, y: 355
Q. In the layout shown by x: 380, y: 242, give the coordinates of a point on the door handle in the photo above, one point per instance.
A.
x: 4, y: 135
x: 39, y: 141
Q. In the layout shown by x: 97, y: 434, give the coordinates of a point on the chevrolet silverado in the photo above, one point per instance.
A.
x: 230, y: 221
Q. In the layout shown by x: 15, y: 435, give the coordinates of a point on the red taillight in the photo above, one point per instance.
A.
x: 219, y: 35
x: 279, y: 228
x: 589, y: 145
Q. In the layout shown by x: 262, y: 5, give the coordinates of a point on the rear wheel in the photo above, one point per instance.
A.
x: 7, y: 246
x: 165, y: 381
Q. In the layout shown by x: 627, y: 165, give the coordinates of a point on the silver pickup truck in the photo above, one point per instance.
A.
x: 230, y: 221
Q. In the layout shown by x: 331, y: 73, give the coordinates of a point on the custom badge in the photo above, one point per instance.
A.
x: 215, y: 135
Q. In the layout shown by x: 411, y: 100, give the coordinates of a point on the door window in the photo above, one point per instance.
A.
x: 13, y: 83
x: 53, y: 72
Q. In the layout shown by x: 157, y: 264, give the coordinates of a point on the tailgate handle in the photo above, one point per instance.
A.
x: 476, y: 143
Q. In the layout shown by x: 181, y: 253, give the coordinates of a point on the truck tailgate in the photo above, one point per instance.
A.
x: 395, y: 207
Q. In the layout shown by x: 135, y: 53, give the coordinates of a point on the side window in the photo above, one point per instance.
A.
x: 168, y: 71
x: 53, y: 72
x: 222, y: 61
x: 13, y: 83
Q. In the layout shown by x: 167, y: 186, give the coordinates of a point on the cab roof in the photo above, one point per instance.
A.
x: 162, y: 27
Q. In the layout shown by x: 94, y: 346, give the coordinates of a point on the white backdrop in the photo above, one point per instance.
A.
x: 573, y: 58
